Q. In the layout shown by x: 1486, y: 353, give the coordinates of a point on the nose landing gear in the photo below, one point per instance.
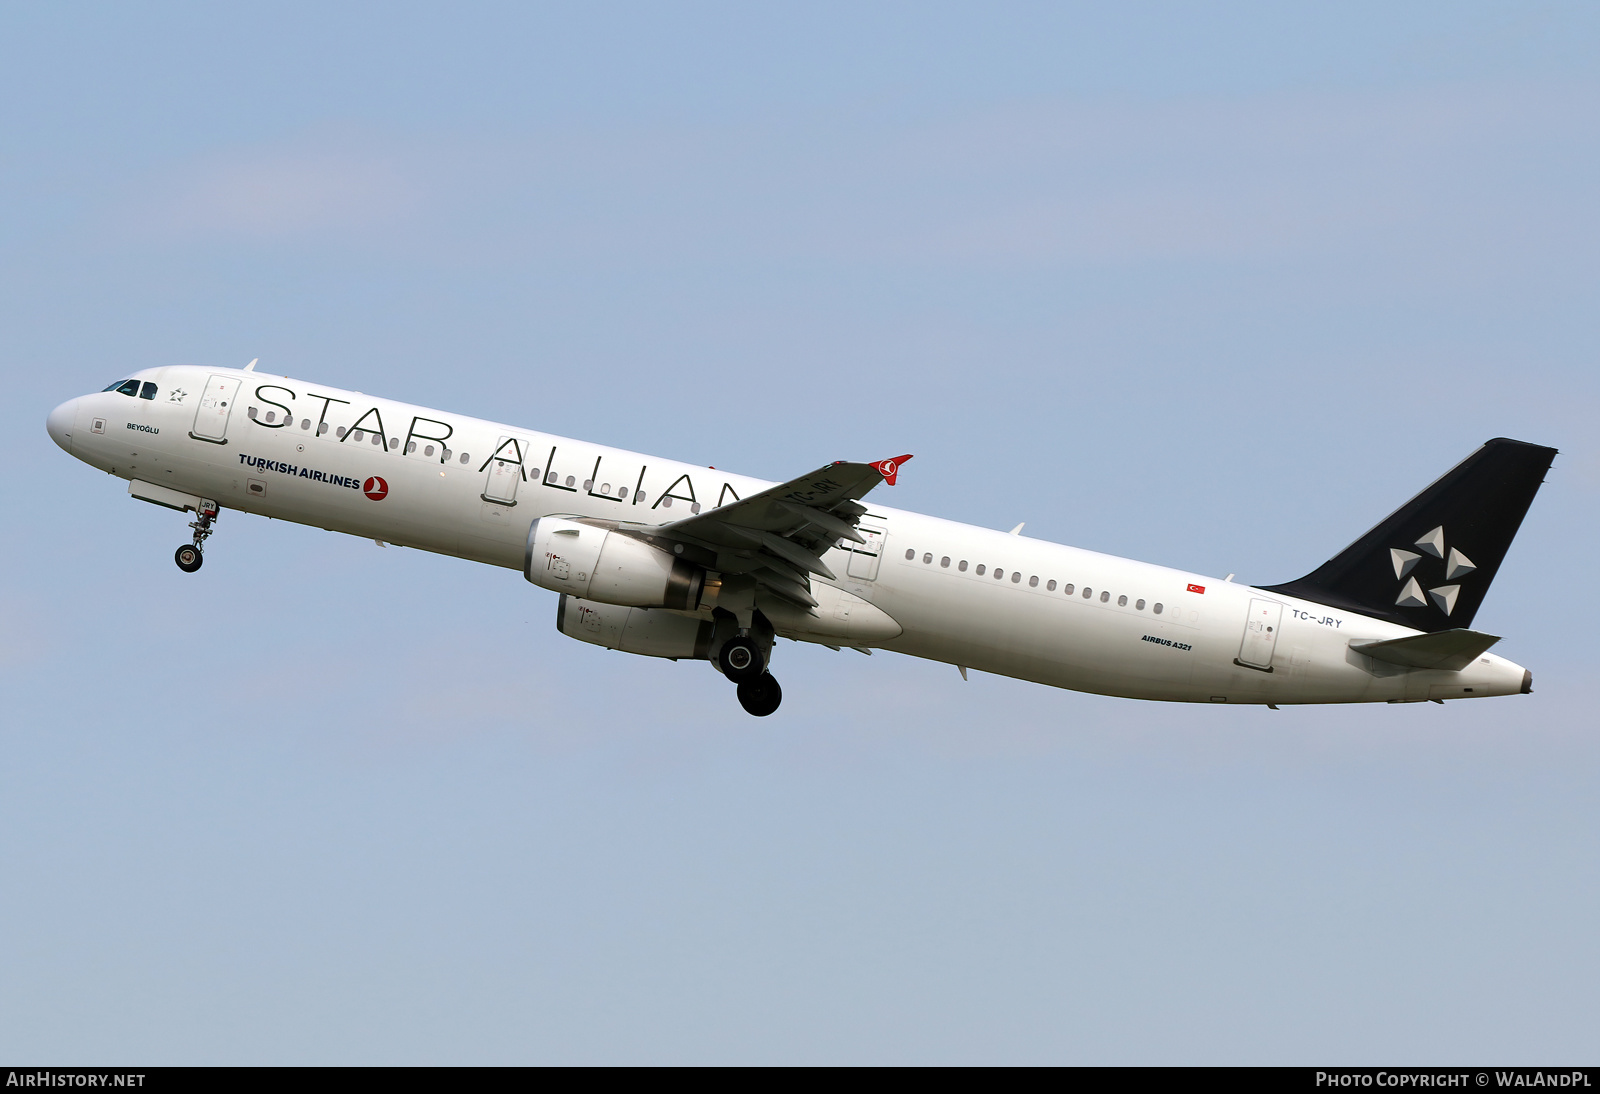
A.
x: 190, y: 556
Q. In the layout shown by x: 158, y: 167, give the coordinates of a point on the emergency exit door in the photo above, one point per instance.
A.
x: 864, y: 556
x: 216, y: 403
x: 1260, y: 635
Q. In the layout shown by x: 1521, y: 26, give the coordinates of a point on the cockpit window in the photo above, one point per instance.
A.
x: 113, y: 385
x: 148, y: 391
x: 131, y: 387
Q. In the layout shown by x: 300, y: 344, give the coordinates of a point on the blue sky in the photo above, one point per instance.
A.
x: 1215, y: 289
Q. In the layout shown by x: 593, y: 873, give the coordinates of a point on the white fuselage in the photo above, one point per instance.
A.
x: 968, y: 596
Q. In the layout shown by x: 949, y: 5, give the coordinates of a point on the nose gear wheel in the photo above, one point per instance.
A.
x: 190, y: 556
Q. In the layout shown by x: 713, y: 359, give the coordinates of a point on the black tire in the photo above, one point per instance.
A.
x: 740, y: 660
x: 760, y: 696
x: 188, y: 558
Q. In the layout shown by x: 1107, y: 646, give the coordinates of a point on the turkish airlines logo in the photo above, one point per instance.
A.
x: 1451, y: 560
x: 890, y: 468
x: 375, y: 488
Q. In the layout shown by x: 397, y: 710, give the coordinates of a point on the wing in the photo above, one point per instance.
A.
x: 779, y: 536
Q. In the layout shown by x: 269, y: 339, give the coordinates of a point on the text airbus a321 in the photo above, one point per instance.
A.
x: 665, y: 559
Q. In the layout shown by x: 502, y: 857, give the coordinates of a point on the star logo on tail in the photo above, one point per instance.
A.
x: 1456, y: 565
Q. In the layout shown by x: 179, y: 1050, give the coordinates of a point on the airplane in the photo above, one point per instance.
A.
x: 667, y: 559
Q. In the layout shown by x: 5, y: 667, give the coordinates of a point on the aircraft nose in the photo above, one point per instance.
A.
x: 59, y: 424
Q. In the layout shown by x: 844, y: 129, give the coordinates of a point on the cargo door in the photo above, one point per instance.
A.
x: 216, y: 403
x: 1260, y: 635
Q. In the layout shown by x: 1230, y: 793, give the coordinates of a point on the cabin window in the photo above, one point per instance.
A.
x: 340, y: 433
x: 1122, y: 602
x: 927, y: 558
x: 944, y: 563
x: 571, y: 480
x: 588, y: 484
x: 1139, y: 604
x: 1016, y: 576
x: 272, y: 416
x: 638, y: 496
x: 250, y: 412
x: 394, y: 442
x: 605, y: 488
x: 1104, y: 597
x: 148, y: 391
x: 979, y: 571
x: 666, y: 503
x: 999, y: 573
x: 466, y: 457
x: 1033, y: 582
x: 694, y: 507
x: 377, y: 438
x: 962, y: 565
x: 1157, y: 608
x: 1050, y: 586
x: 444, y: 454
x: 305, y: 423
x: 322, y: 427
x: 1067, y: 589
x: 427, y: 450
x: 910, y: 554
x: 622, y: 492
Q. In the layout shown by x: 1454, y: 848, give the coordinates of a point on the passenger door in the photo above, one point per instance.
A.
x: 216, y: 403
x: 504, y: 473
x: 1260, y: 635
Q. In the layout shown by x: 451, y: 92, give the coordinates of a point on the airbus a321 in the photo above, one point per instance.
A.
x: 665, y: 559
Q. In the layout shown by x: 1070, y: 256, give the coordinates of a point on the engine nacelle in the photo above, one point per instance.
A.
x: 597, y: 564
x: 635, y: 630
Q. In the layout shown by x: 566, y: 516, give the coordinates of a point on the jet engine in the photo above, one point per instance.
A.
x: 597, y: 564
x: 635, y: 630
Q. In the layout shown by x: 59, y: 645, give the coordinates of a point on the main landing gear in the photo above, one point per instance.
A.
x: 743, y: 659
x: 190, y: 556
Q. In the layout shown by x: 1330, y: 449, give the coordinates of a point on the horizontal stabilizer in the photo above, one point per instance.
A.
x: 1453, y: 650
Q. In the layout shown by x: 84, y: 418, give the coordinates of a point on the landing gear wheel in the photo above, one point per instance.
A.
x: 188, y: 558
x: 741, y: 660
x: 760, y: 696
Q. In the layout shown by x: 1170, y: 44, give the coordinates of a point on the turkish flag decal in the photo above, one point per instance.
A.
x: 1192, y: 588
x: 376, y: 489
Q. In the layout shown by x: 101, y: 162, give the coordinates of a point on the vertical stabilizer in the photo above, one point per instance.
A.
x: 1430, y: 562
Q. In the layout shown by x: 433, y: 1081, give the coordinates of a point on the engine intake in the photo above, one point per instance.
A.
x: 597, y: 564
